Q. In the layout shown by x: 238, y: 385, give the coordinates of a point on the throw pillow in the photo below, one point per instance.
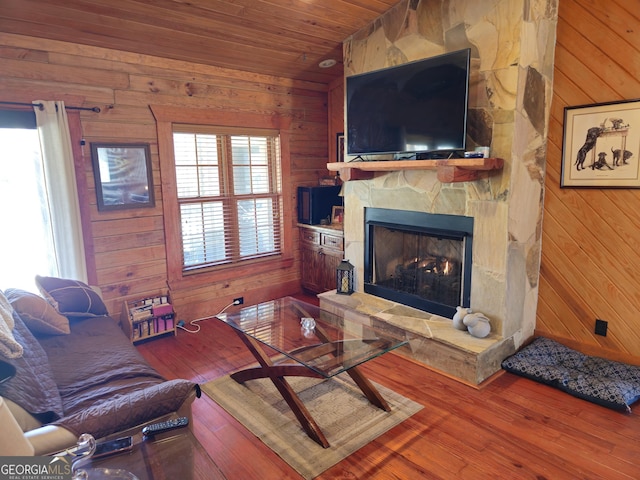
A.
x: 71, y: 298
x: 37, y: 313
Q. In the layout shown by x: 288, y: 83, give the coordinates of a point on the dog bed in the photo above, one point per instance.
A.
x: 605, y: 382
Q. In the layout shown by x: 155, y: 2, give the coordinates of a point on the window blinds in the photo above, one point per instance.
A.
x: 229, y: 192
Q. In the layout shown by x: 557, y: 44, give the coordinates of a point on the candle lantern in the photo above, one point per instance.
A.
x: 344, y: 278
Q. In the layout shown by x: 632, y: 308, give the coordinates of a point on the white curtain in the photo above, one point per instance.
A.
x: 62, y: 191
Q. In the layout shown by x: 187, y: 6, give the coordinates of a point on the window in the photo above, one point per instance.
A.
x: 228, y: 185
x: 224, y: 124
x: 23, y: 191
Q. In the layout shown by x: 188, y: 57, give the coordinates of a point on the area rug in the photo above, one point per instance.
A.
x: 340, y: 409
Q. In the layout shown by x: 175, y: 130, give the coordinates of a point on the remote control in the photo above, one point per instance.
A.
x: 160, y: 427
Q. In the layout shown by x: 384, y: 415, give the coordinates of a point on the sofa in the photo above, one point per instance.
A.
x: 73, y: 370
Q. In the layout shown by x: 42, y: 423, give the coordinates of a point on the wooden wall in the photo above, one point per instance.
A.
x: 129, y: 245
x: 591, y: 237
x: 336, y: 115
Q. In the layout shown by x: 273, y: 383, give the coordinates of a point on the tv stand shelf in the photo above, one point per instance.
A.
x: 452, y: 170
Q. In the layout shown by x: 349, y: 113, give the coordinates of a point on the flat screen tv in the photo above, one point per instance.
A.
x: 414, y: 108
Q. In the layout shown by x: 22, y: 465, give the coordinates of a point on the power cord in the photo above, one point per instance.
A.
x: 195, y: 322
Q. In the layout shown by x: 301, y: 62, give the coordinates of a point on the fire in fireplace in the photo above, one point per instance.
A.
x: 419, y: 259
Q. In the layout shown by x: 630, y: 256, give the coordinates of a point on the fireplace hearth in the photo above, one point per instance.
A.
x: 419, y: 259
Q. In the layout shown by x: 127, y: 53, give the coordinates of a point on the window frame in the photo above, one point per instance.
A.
x: 166, y: 117
x: 226, y: 166
x: 75, y: 131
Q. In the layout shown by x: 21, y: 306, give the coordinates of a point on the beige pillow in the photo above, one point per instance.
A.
x: 37, y: 313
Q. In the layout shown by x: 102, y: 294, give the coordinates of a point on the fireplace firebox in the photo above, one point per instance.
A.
x: 419, y: 259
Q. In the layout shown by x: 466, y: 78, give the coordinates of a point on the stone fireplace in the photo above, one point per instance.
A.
x: 434, y: 341
x: 418, y: 259
x: 512, y: 46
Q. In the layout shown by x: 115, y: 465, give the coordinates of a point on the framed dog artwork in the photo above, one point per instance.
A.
x: 601, y: 145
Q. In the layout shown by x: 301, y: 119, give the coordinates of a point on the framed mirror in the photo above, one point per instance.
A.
x: 123, y: 175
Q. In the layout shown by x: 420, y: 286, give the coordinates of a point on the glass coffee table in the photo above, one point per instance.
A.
x: 308, y: 342
x: 170, y: 455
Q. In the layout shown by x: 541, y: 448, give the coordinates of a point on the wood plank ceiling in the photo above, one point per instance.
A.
x: 286, y: 38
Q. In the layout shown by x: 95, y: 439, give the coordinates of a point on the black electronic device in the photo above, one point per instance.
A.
x: 113, y: 447
x: 316, y: 203
x: 161, y: 427
x: 416, y: 107
x: 7, y: 371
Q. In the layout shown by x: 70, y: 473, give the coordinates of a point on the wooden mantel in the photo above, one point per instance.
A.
x: 453, y: 170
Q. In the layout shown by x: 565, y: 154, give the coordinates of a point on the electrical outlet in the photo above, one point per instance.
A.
x: 238, y: 301
x: 601, y: 327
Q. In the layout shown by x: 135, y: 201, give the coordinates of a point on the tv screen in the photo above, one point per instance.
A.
x: 416, y: 107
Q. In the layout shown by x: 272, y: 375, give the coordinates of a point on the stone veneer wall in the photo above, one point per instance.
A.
x: 512, y: 44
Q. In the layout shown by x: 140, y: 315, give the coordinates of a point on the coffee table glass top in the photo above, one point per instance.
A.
x: 330, y: 344
x: 176, y: 454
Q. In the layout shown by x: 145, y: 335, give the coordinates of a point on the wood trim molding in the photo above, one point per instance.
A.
x: 166, y: 116
x: 208, y: 116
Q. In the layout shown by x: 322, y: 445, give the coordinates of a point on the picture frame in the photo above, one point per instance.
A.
x: 340, y: 147
x: 337, y: 214
x: 123, y: 175
x: 601, y: 145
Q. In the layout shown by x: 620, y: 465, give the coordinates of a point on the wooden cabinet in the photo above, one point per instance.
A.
x: 147, y: 318
x: 321, y: 251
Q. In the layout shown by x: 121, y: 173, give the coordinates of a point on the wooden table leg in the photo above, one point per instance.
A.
x: 368, y: 389
x: 371, y: 392
x: 276, y: 374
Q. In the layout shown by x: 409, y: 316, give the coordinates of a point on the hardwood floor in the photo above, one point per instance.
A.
x: 510, y: 428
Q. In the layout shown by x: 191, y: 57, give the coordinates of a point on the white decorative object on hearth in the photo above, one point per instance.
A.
x: 458, y: 317
x: 477, y: 324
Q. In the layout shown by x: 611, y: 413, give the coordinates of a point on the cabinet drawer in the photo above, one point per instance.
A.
x: 331, y: 241
x: 310, y: 236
